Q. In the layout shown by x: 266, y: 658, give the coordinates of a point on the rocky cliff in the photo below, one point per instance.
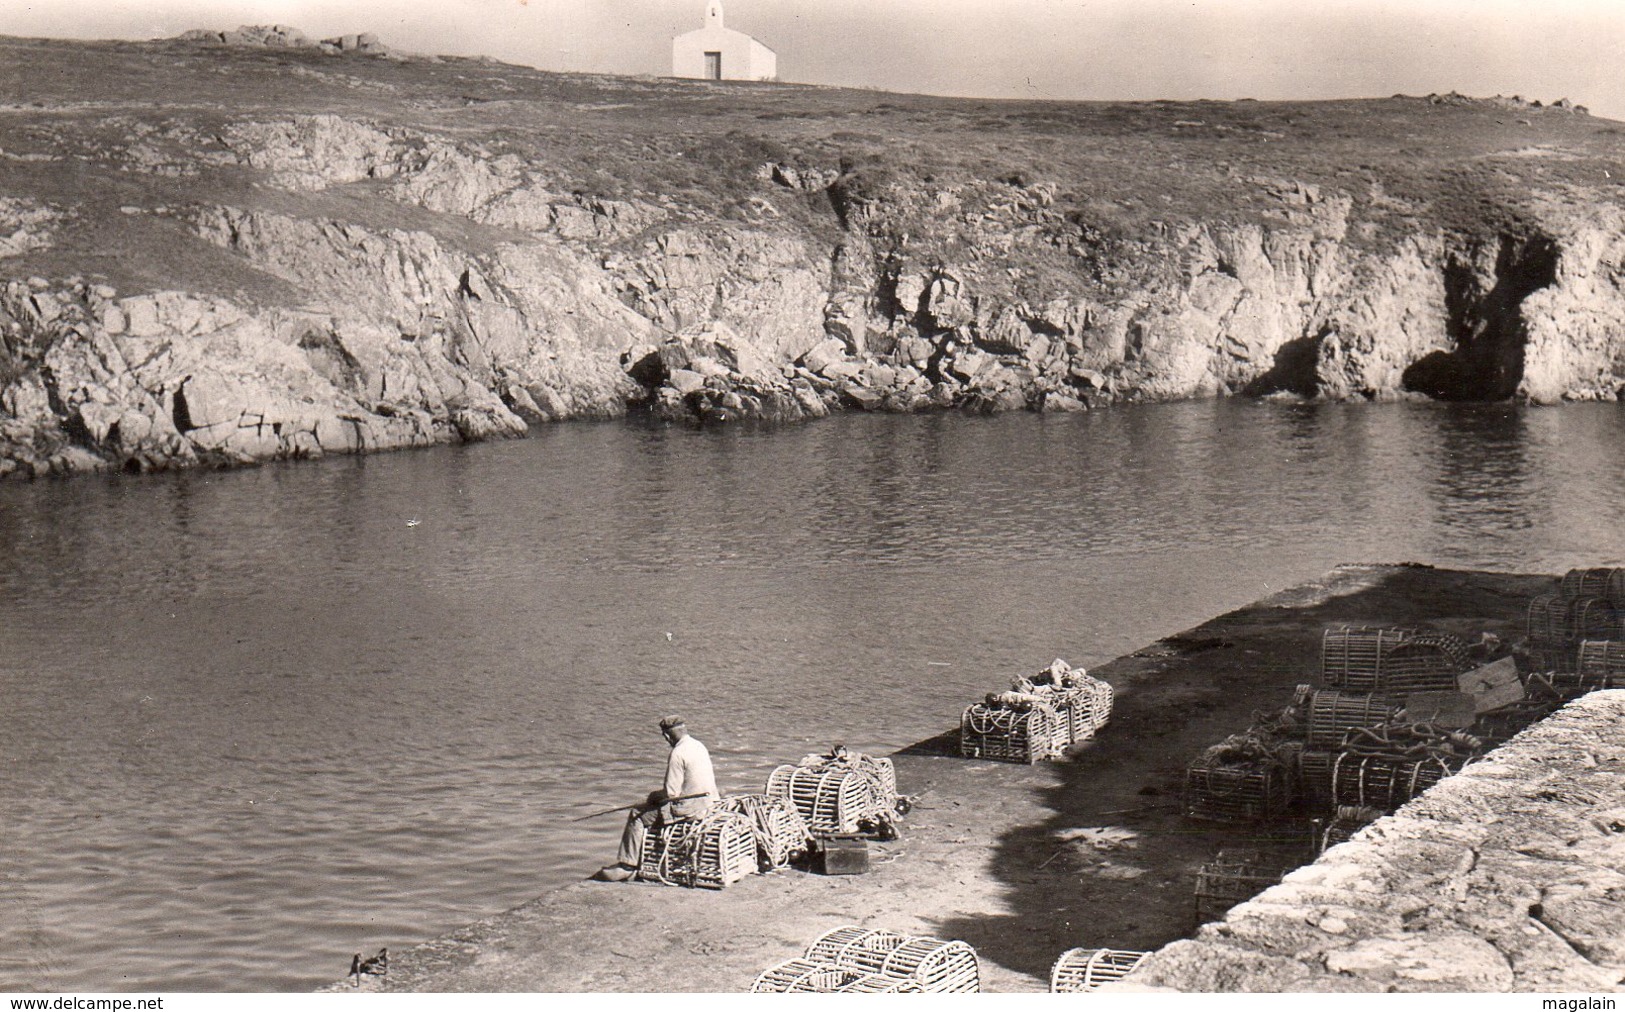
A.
x: 214, y: 253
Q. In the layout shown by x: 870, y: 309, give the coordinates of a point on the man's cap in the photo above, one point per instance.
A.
x: 667, y: 723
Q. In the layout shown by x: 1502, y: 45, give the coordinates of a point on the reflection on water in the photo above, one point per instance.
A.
x: 1484, y: 454
x: 252, y: 722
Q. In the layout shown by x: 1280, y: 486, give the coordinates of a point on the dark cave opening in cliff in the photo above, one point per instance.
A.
x: 1294, y: 369
x: 1487, y: 328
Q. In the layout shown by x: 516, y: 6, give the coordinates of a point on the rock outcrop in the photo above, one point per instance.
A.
x: 340, y: 282
x: 285, y: 37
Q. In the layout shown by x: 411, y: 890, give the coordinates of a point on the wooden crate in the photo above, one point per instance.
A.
x: 782, y: 835
x: 1332, y: 713
x: 1258, y: 790
x: 1081, y: 970
x: 1351, y: 656
x: 1230, y: 878
x: 711, y: 852
x: 1386, y: 782
x: 935, y: 965
x: 843, y: 793
x: 1010, y: 735
x: 1425, y: 662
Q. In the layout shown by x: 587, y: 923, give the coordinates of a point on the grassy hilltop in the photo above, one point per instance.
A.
x: 922, y: 251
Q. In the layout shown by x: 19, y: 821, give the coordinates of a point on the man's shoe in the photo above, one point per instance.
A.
x: 615, y: 873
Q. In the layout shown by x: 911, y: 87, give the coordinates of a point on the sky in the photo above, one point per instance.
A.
x: 1047, y: 49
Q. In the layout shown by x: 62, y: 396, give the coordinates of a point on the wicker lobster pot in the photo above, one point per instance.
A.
x: 1076, y: 710
x: 802, y: 975
x: 1258, y: 790
x: 1351, y: 658
x: 1555, y: 619
x: 1424, y: 662
x: 1574, y: 684
x: 1549, y: 657
x: 1065, y: 724
x: 1350, y: 819
x: 1229, y: 879
x: 837, y: 795
x: 781, y: 833
x: 1017, y: 736
x: 880, y: 983
x: 1290, y: 753
x: 1332, y: 714
x: 1603, y: 662
x: 1091, y: 706
x: 1555, y: 686
x: 811, y: 975
x: 1605, y: 583
x: 935, y: 965
x: 1080, y: 970
x: 711, y: 852
x: 1592, y: 665
x: 1315, y: 777
x: 1386, y: 782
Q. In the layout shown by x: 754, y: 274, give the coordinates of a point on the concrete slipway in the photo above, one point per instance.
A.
x: 1501, y: 879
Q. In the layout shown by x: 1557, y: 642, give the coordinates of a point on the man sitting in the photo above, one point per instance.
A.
x: 689, y: 790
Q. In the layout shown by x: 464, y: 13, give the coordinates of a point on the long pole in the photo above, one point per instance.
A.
x: 627, y: 808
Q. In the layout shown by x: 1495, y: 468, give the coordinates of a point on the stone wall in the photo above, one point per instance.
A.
x: 1504, y: 877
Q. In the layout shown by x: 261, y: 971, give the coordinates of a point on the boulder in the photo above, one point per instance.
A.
x: 822, y: 355
x: 843, y: 370
x: 879, y: 375
x: 862, y: 398
x: 967, y: 363
x: 685, y: 381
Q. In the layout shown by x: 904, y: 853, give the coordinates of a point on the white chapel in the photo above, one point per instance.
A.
x: 715, y: 53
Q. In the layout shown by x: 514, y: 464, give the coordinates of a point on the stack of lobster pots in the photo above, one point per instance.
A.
x: 711, y: 852
x: 1384, y: 724
x: 1250, y: 777
x: 852, y: 960
x: 1576, y: 634
x: 781, y: 833
x: 1390, y: 721
x: 840, y: 793
x: 1038, y: 718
